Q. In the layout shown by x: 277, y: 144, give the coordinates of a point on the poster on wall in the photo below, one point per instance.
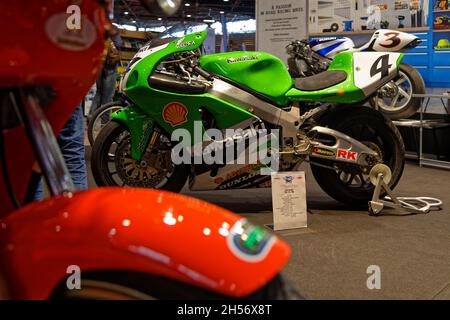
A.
x: 278, y: 23
x: 209, y: 45
x: 357, y: 15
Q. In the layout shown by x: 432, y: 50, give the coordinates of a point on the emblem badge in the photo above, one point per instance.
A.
x: 288, y: 179
x: 175, y: 114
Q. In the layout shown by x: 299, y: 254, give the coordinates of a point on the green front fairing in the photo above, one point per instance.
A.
x: 152, y: 102
x: 140, y: 127
x: 149, y: 102
x: 346, y: 92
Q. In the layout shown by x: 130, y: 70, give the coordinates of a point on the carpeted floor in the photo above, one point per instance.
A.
x: 330, y: 258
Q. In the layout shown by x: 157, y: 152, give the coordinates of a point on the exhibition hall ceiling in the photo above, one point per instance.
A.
x: 128, y: 11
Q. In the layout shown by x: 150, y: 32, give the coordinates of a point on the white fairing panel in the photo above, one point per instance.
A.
x: 373, y: 69
x: 391, y: 40
x: 329, y: 47
x: 144, y: 52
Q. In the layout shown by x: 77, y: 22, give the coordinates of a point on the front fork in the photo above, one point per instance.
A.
x: 141, y: 127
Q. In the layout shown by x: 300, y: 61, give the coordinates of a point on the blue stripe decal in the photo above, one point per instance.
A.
x: 327, y: 50
x: 315, y: 42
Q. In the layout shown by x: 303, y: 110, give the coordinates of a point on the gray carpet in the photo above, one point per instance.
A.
x: 330, y: 257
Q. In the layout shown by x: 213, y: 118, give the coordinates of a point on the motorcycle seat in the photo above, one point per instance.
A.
x: 321, y: 81
x: 167, y: 83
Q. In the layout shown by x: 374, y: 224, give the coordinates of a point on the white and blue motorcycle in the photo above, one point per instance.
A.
x: 395, y: 99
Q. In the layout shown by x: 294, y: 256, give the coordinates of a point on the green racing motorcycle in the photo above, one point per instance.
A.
x: 198, y: 108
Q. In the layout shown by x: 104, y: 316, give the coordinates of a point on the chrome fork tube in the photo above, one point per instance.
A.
x: 43, y: 141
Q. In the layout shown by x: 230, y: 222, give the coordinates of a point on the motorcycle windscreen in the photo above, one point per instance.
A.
x: 151, y: 56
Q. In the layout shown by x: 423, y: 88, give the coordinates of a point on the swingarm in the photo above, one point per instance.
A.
x: 326, y: 143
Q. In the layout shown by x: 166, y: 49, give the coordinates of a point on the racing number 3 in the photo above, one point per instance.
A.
x: 384, y: 67
x: 394, y: 40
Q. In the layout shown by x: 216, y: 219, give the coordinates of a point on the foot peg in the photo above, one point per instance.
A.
x: 380, y: 176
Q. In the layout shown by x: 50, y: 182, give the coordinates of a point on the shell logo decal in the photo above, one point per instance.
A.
x: 175, y: 113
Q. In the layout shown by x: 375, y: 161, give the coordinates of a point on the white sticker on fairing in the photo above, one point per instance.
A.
x: 72, y: 40
x: 144, y: 52
x: 371, y: 68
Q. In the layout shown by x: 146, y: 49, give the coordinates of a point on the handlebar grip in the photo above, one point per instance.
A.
x: 203, y: 73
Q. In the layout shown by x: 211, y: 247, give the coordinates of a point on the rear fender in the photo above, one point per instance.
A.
x: 372, y: 70
x: 136, y: 230
x: 366, y: 73
x: 140, y: 126
x: 385, y: 40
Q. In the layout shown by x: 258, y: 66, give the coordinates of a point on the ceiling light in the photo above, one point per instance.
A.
x: 209, y: 20
x: 222, y: 12
x: 187, y: 4
x: 134, y: 21
x: 226, y: 0
x: 188, y: 16
x: 171, y: 3
x: 159, y: 19
x: 126, y: 13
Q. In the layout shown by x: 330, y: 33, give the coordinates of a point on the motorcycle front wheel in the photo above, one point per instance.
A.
x: 395, y: 99
x: 349, y: 184
x: 116, y: 285
x: 112, y: 164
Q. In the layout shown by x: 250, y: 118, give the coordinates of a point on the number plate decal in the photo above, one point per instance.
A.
x: 373, y: 69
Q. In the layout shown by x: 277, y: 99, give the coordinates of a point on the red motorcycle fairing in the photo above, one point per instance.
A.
x: 136, y: 230
x: 39, y: 50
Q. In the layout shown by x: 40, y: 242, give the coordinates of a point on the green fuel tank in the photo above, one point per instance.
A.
x: 259, y: 71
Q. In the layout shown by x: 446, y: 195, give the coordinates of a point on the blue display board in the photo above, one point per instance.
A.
x: 440, y: 39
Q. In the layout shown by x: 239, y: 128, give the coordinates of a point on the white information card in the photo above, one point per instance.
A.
x: 289, y: 200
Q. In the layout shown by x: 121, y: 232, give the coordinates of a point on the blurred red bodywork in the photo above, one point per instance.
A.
x: 29, y: 57
x: 138, y: 230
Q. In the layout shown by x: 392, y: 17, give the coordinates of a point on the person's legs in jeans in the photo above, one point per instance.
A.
x: 39, y: 193
x: 97, y: 100
x: 109, y: 83
x: 71, y: 142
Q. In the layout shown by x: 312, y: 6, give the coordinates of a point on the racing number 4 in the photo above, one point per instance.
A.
x: 381, y: 65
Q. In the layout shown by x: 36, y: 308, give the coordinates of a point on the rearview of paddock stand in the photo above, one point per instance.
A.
x: 380, y: 176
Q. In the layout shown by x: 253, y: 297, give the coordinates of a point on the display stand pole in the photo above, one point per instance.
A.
x: 426, y: 100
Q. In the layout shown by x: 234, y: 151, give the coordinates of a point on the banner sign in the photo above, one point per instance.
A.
x: 209, y: 45
x: 278, y: 23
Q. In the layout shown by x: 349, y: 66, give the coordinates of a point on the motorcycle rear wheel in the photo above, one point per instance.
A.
x: 395, y: 98
x: 370, y: 127
x: 100, y: 118
x: 116, y: 285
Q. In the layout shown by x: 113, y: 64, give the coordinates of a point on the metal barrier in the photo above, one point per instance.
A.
x: 422, y: 124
